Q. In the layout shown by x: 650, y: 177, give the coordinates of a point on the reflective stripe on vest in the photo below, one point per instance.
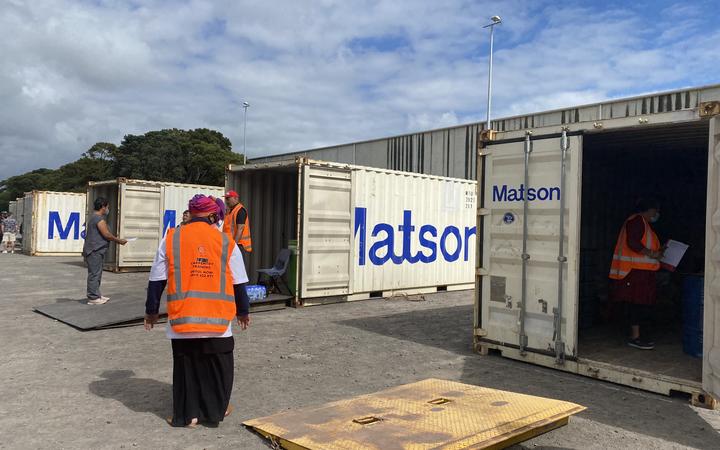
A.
x: 199, y: 320
x: 625, y: 259
x: 212, y: 307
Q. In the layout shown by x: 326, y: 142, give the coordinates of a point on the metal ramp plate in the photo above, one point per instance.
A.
x: 429, y: 414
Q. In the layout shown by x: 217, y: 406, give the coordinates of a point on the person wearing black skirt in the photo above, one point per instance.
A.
x: 203, y: 365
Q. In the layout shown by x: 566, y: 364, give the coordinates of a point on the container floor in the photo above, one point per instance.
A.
x: 605, y: 343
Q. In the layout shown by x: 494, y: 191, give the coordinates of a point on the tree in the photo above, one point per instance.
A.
x: 182, y: 156
x: 193, y: 156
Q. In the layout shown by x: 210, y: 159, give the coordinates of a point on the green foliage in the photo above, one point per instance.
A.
x: 182, y: 156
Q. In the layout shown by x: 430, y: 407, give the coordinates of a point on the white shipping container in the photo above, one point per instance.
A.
x: 53, y: 223
x: 143, y: 210
x: 19, y: 213
x: 361, y: 232
x: 552, y: 201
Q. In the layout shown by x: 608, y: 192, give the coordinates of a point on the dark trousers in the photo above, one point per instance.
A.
x: 94, y: 263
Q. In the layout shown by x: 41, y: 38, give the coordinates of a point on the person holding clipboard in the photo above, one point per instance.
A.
x: 636, y: 260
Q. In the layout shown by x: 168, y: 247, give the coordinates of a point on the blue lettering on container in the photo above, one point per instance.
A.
x: 452, y: 242
x: 169, y: 220
x: 73, y: 224
x: 507, y: 193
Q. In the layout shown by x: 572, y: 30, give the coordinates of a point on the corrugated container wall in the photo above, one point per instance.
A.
x: 142, y: 210
x: 20, y: 212
x: 54, y: 223
x: 362, y: 232
x: 451, y: 152
x: 12, y: 209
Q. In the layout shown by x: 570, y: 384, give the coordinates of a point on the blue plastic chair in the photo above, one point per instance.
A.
x: 276, y: 272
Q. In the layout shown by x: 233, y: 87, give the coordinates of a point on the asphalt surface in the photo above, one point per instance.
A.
x: 63, y: 388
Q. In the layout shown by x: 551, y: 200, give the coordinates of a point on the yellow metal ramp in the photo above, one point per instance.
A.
x: 429, y: 414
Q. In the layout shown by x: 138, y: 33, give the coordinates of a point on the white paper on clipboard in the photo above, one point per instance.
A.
x: 133, y: 239
x: 674, y: 253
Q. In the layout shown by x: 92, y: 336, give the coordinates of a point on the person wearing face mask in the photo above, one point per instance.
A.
x: 204, y: 273
x: 636, y: 260
x: 97, y: 241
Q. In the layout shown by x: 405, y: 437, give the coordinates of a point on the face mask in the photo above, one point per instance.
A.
x: 655, y: 218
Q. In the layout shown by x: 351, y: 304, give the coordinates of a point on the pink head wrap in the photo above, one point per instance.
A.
x: 201, y: 205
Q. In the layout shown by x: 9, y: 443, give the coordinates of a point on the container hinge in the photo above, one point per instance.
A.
x: 480, y: 332
x: 488, y: 135
x: 484, y: 152
x: 708, y: 109
x: 483, y: 212
x: 525, y: 256
x: 482, y: 272
x: 562, y: 259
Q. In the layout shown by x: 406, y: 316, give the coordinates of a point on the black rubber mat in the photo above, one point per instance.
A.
x: 120, y: 311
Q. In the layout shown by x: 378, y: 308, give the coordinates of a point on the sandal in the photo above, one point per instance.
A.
x: 192, y: 424
x: 229, y: 410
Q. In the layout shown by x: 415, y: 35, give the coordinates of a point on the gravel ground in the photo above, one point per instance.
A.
x: 112, y: 388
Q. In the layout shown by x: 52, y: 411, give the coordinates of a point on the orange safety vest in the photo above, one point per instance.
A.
x: 229, y: 227
x: 200, y: 297
x: 625, y: 259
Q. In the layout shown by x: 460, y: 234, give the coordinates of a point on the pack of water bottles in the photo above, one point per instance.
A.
x: 256, y: 292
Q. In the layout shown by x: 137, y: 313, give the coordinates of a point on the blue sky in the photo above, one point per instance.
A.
x: 322, y: 72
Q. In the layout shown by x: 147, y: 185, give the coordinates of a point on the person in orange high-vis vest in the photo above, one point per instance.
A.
x: 636, y: 259
x: 237, y: 222
x: 205, y: 277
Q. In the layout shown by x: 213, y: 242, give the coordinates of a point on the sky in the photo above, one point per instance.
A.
x: 323, y: 72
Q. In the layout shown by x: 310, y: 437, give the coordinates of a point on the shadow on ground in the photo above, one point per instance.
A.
x: 137, y: 394
x: 75, y: 263
x: 450, y: 329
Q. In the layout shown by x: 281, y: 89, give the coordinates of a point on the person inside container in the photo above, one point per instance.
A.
x: 636, y: 260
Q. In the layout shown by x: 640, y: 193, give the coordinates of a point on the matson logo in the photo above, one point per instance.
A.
x: 507, y: 193
x: 451, y: 242
x: 72, y: 225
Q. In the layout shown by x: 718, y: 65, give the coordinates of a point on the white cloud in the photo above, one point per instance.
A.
x: 316, y: 72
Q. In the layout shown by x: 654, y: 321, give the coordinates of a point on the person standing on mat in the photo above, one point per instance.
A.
x: 634, y: 265
x: 97, y: 241
x: 237, y: 223
x: 205, y: 277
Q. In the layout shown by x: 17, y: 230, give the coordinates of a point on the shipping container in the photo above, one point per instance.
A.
x: 142, y: 211
x: 20, y: 213
x: 554, y: 191
x: 360, y: 232
x: 53, y: 223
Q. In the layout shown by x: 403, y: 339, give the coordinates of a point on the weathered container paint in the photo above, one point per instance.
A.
x: 53, y: 223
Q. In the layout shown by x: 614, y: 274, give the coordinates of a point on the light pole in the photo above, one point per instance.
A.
x: 496, y: 20
x: 246, y: 105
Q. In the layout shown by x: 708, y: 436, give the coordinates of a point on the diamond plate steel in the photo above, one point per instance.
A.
x: 429, y: 414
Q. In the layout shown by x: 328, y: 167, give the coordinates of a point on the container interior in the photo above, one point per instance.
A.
x: 110, y: 192
x: 669, y: 163
x: 271, y: 199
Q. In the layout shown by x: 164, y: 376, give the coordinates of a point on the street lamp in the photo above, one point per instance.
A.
x: 246, y: 105
x: 496, y: 20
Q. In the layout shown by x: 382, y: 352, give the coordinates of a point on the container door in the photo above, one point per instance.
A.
x: 711, y: 326
x: 140, y: 217
x: 326, y: 236
x: 529, y: 264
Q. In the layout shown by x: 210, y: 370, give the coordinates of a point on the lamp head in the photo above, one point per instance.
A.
x: 496, y: 19
x: 246, y: 104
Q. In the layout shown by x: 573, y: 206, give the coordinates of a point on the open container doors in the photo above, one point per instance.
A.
x: 529, y: 226
x: 326, y: 232
x: 711, y: 328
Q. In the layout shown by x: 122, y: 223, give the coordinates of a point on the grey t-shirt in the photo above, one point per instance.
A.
x: 94, y: 241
